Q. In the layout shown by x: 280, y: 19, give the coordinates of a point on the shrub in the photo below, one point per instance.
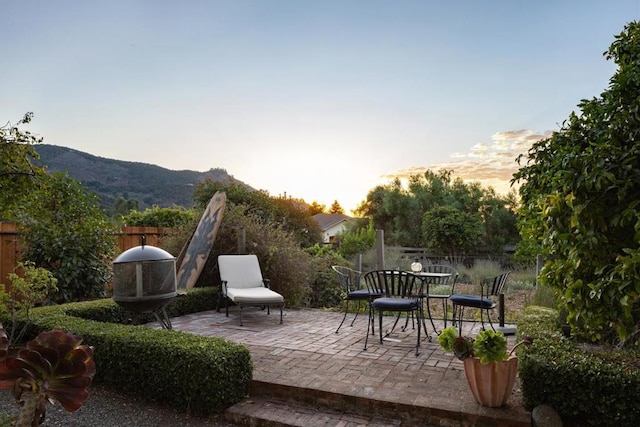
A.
x: 192, y: 373
x: 575, y: 378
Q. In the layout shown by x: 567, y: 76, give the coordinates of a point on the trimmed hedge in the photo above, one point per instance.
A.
x: 585, y: 384
x: 196, y: 374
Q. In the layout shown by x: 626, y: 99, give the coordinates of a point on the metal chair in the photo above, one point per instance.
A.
x: 401, y: 292
x: 489, y: 287
x: 350, y: 282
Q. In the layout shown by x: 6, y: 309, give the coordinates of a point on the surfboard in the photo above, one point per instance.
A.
x: 192, y: 260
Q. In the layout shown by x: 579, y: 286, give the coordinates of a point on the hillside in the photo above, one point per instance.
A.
x: 109, y: 179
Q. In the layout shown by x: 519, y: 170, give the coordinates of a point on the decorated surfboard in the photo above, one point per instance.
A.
x: 191, y: 260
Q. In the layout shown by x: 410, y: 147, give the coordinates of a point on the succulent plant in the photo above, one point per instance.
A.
x: 53, y: 366
x: 488, y: 346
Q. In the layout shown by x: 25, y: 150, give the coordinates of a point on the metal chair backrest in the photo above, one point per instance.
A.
x: 442, y: 285
x: 394, y: 283
x: 349, y: 278
x: 442, y: 268
x: 494, y: 285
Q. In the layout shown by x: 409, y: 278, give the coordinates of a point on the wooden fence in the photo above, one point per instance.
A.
x: 128, y: 237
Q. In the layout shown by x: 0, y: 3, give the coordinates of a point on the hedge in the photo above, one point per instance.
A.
x: 196, y: 374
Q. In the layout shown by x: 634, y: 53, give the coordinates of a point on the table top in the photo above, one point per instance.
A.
x: 431, y: 274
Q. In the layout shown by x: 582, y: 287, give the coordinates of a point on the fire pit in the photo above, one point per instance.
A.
x: 144, y: 280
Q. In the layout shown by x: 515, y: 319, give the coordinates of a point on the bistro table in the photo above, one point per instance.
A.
x: 429, y: 277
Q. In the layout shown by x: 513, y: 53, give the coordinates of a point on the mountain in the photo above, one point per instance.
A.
x: 110, y: 179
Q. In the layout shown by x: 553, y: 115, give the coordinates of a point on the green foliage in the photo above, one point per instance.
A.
x: 490, y: 346
x: 573, y: 378
x: 526, y: 252
x: 64, y: 231
x: 281, y: 258
x: 18, y: 174
x: 196, y: 374
x: 325, y: 288
x: 580, y: 203
x: 447, y: 337
x: 452, y: 230
x: 175, y: 217
x: 31, y: 287
x: 356, y: 240
x: 290, y: 214
x: 399, y: 211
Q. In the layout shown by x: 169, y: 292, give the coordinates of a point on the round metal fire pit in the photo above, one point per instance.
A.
x: 144, y: 279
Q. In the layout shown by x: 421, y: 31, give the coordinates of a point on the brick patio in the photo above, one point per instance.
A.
x: 304, y: 364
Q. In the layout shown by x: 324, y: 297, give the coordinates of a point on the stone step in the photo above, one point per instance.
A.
x: 271, y: 404
x: 274, y: 412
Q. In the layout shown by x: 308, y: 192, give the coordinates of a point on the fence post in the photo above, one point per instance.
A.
x: 380, y: 248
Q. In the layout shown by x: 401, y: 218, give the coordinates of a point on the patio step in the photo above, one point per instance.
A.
x: 271, y: 404
x: 274, y: 412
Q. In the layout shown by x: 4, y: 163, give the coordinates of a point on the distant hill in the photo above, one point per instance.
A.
x: 110, y: 179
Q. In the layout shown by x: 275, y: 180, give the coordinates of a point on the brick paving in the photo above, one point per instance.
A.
x: 303, y: 358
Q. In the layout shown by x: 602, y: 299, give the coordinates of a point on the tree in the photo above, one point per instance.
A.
x: 451, y: 229
x: 18, y: 175
x: 336, y: 208
x: 399, y: 211
x: 316, y: 208
x: 581, y: 202
x: 64, y: 231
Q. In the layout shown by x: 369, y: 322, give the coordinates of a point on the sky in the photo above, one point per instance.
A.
x: 318, y: 100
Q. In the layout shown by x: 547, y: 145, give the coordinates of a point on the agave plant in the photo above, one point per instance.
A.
x: 53, y: 366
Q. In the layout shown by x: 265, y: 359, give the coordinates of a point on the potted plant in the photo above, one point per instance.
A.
x: 489, y: 368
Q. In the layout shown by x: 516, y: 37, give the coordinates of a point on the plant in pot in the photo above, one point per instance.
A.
x: 52, y: 366
x: 489, y: 367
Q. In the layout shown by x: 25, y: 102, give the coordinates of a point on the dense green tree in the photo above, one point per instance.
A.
x: 63, y: 230
x: 581, y: 202
x: 448, y: 228
x: 18, y: 175
x: 316, y: 208
x: 356, y: 240
x: 400, y: 211
x: 336, y: 208
x: 122, y: 206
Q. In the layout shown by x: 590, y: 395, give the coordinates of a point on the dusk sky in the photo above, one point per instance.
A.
x: 321, y: 100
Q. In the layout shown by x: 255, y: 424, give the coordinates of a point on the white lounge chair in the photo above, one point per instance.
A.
x: 242, y: 283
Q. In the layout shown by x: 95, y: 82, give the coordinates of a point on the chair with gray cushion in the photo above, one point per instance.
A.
x: 354, y: 290
x: 401, y: 293
x: 489, y: 289
x: 243, y: 284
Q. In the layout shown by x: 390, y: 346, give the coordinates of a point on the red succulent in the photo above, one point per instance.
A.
x: 54, y: 365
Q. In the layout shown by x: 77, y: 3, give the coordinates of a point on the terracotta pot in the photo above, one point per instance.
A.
x: 491, y: 384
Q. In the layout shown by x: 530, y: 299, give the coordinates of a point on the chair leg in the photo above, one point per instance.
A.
x: 356, y: 316
x: 431, y: 318
x: 420, y: 320
x: 369, y: 325
x: 241, y: 316
x: 281, y: 308
x: 380, y: 324
x: 345, y: 316
x: 490, y: 322
x: 445, y: 308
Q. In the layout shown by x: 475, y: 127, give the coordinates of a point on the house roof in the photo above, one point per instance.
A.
x: 326, y: 221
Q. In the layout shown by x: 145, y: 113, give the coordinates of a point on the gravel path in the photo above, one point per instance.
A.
x: 108, y: 408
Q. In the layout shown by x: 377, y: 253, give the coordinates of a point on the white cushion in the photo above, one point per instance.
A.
x: 240, y: 271
x: 260, y: 295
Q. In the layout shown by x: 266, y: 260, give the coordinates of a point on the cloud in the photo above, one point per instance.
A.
x: 491, y: 164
